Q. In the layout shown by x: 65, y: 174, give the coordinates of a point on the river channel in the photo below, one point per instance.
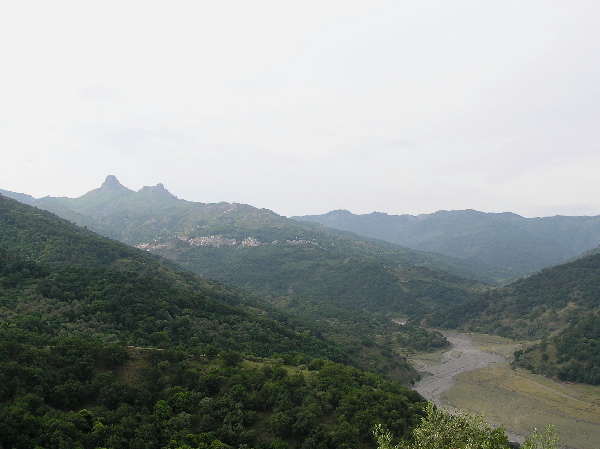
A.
x: 461, y: 357
x: 515, y: 399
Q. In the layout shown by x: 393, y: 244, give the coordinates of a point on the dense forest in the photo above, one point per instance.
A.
x: 573, y: 355
x: 533, y: 306
x: 103, y: 345
x: 348, y: 288
x: 80, y: 392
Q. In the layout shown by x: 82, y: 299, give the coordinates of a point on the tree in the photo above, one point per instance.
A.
x: 442, y: 430
x: 232, y: 358
x: 549, y: 440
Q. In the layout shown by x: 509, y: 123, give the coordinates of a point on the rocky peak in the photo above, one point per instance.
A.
x: 112, y: 184
x: 158, y: 190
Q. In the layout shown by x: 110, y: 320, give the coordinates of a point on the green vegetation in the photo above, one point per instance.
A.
x: 329, y: 273
x: 102, y: 345
x: 344, y: 286
x: 573, y: 355
x: 535, y: 306
x: 141, y: 311
x: 77, y: 392
x: 559, y: 307
x: 504, y: 246
x: 443, y: 430
x: 337, y: 285
x: 418, y: 339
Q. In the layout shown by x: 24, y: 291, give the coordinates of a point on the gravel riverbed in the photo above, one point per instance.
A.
x: 462, y: 356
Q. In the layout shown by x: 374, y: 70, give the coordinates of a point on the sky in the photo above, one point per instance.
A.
x: 303, y: 107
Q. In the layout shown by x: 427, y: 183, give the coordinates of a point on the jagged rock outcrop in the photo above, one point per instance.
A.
x: 112, y: 184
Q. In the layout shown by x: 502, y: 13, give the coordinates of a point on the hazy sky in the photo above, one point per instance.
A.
x: 308, y: 106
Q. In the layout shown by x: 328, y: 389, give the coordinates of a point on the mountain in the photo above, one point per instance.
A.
x: 105, y: 281
x: 557, y: 307
x: 295, y: 264
x: 513, y: 245
x: 344, y: 285
x: 104, y: 345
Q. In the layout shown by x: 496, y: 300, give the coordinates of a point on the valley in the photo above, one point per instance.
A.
x: 229, y: 288
x: 475, y: 376
x: 462, y: 357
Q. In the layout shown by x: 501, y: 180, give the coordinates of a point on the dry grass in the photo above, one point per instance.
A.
x: 494, y: 344
x: 521, y: 401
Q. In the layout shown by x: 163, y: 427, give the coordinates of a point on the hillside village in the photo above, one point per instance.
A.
x: 218, y: 241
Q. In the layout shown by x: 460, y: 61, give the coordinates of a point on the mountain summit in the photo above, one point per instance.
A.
x: 112, y: 184
x: 158, y: 190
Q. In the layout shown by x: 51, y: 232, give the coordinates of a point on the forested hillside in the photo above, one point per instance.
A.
x: 153, y: 218
x: 559, y: 307
x: 345, y: 285
x: 102, y: 345
x: 505, y: 245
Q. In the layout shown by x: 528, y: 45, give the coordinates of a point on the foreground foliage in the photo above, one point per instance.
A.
x: 442, y: 430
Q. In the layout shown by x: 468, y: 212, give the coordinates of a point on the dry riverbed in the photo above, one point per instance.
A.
x: 474, y: 376
x: 463, y: 356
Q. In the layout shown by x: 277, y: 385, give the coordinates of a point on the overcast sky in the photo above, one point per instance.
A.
x: 404, y: 107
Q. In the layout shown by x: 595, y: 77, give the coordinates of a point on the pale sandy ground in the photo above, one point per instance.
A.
x: 463, y: 356
x: 474, y: 376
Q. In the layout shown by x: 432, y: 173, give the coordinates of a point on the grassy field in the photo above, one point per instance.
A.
x: 521, y: 401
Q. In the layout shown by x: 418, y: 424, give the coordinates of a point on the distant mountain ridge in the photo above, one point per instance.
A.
x: 343, y: 283
x: 334, y: 276
x: 267, y: 253
x: 512, y: 243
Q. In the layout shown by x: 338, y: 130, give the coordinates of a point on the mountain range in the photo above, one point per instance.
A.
x: 272, y: 255
x: 511, y: 246
x: 110, y: 343
x: 338, y: 278
x: 338, y: 281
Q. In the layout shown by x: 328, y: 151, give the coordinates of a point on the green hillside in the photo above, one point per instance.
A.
x: 557, y: 309
x: 122, y: 291
x: 103, y: 345
x: 346, y: 286
x: 505, y: 246
x: 287, y: 261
